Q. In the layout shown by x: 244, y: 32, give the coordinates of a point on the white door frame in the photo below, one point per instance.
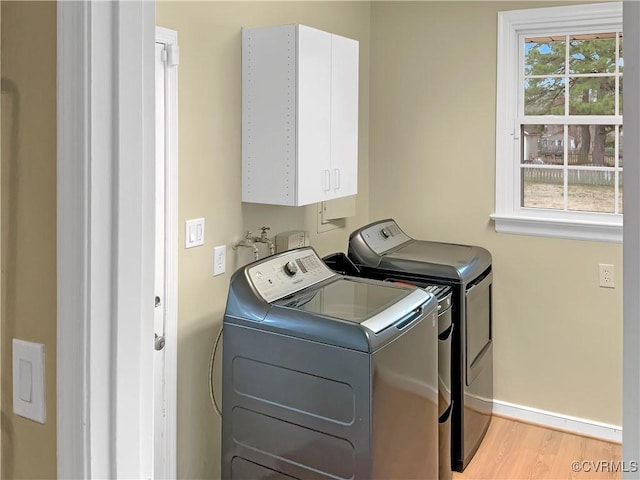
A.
x: 105, y: 153
x: 105, y: 227
x: 631, y: 245
x: 166, y: 443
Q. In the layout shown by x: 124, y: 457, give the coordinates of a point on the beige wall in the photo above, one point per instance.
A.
x: 558, y: 336
x: 28, y: 226
x: 210, y: 185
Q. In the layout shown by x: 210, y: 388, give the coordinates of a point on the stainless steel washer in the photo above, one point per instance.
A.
x: 327, y: 376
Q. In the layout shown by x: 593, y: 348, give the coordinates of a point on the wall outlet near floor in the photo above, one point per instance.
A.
x: 607, y: 276
x: 219, y: 260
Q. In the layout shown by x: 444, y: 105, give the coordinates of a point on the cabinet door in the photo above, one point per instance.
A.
x: 314, y: 115
x: 344, y: 116
x: 268, y: 115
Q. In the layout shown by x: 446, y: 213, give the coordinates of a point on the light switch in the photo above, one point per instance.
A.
x: 194, y: 233
x: 28, y: 380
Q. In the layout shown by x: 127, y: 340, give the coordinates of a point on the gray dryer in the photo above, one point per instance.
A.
x: 381, y: 250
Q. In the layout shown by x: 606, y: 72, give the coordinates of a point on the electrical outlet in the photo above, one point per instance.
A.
x: 219, y: 260
x: 607, y: 276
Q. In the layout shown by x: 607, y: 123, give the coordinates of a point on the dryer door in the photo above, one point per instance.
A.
x: 478, y: 326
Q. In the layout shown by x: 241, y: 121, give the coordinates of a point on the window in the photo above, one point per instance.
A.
x: 559, y: 152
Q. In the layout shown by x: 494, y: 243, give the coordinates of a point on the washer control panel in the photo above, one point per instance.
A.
x: 287, y: 273
x: 384, y: 236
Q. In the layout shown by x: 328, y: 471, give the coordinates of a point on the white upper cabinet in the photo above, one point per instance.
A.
x: 299, y: 115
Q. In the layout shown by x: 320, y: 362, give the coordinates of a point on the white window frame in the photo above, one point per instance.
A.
x: 509, y: 216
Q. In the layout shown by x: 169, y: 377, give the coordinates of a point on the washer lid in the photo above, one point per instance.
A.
x: 384, y: 245
x: 375, y: 306
x: 445, y: 260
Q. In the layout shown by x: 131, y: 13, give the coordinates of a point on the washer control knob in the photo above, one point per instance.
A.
x: 385, y: 232
x: 290, y: 268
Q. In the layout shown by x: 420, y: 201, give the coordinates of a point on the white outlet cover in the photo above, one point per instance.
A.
x: 219, y: 260
x: 28, y: 380
x: 607, y: 275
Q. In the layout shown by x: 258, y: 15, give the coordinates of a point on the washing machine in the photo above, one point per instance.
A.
x: 381, y: 250
x: 327, y: 376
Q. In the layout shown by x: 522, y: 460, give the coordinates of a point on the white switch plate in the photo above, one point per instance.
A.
x: 219, y: 260
x: 28, y: 380
x: 194, y: 233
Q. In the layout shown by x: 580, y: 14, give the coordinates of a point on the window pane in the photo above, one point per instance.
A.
x: 591, y: 145
x: 620, y: 97
x: 544, y: 57
x: 543, y: 144
x: 620, y: 146
x: 592, y: 96
x: 542, y: 188
x: 591, y: 191
x: 544, y: 96
x: 620, y: 196
x: 621, y: 59
x: 593, y: 55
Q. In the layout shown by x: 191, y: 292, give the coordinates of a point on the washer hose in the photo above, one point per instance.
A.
x: 212, y: 393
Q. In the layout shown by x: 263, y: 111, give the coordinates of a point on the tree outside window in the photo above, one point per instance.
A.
x: 574, y: 82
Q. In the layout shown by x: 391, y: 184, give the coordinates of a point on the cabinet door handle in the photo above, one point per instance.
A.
x: 336, y: 182
x: 326, y: 180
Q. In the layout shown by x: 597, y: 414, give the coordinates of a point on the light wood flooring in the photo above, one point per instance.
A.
x: 513, y: 450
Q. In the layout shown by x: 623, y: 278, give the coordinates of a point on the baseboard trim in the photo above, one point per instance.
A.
x: 557, y: 421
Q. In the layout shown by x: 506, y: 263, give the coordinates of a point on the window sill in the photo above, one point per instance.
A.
x: 571, y: 230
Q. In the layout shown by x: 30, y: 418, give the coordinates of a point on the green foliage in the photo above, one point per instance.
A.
x: 545, y: 96
x: 587, y: 95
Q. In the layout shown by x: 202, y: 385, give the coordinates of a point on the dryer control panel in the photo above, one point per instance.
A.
x: 287, y: 273
x: 383, y: 236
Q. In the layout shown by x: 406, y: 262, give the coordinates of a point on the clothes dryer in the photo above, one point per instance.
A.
x: 383, y: 251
